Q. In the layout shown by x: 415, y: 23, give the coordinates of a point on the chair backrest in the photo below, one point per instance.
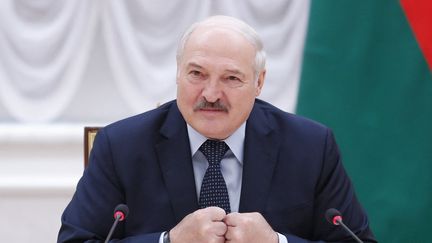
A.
x: 89, y: 136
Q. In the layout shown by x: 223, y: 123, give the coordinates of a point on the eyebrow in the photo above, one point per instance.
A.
x: 192, y: 64
x: 231, y: 71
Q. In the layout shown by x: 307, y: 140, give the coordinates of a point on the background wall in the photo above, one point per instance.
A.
x: 69, y: 63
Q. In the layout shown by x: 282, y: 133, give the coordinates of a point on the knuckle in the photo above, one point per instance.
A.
x: 206, y: 229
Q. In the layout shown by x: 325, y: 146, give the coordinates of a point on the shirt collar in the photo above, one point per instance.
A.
x: 235, y: 142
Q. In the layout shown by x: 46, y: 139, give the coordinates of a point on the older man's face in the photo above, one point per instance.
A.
x: 216, y: 81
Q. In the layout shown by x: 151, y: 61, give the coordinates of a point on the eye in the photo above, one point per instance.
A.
x: 233, y: 78
x: 196, y: 76
x: 195, y: 73
x: 233, y: 81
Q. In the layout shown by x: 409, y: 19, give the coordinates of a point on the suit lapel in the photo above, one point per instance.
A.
x: 173, y: 151
x: 260, y: 156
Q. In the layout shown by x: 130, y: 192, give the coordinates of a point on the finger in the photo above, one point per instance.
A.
x: 232, y: 219
x: 219, y: 239
x: 215, y: 213
x: 219, y: 228
x: 231, y: 233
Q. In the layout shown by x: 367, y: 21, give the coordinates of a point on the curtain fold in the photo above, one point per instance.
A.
x: 46, y: 47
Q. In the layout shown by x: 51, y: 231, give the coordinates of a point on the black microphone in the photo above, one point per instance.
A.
x: 120, y: 214
x: 334, y: 217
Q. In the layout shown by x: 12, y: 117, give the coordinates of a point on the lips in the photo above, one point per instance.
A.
x: 212, y: 109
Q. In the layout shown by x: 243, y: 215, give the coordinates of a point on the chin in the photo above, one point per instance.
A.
x: 213, y: 133
x: 219, y: 135
x: 212, y: 128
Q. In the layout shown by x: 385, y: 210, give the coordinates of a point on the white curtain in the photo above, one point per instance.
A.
x: 46, y: 45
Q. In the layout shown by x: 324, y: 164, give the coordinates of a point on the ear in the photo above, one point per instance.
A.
x: 260, y: 82
x: 177, y: 74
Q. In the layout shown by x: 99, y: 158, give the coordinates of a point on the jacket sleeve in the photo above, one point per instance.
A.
x: 89, y: 215
x: 335, y: 190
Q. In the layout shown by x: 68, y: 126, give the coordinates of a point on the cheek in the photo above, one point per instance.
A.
x: 187, y: 94
x: 242, y: 103
x: 244, y: 98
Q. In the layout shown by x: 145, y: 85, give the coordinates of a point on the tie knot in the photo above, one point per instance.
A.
x: 214, y: 150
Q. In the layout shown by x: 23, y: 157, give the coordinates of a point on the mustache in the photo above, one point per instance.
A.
x: 218, y: 105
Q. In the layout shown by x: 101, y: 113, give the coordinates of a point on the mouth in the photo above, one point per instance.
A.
x: 212, y: 111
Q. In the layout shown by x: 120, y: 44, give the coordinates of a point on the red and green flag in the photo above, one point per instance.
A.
x: 366, y: 73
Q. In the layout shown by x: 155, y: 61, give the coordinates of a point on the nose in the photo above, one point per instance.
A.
x: 212, y: 91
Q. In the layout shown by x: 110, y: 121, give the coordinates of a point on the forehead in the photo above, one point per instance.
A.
x: 218, y: 45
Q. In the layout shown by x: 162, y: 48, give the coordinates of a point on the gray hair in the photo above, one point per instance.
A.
x: 233, y: 24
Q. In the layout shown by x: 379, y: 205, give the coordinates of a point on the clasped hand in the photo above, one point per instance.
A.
x: 213, y: 225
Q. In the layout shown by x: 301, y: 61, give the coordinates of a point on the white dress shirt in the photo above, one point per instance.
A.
x: 231, y: 166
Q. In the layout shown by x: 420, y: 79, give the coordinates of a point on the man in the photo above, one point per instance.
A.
x: 217, y: 164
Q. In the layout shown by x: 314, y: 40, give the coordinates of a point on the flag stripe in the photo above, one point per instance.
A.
x: 419, y: 14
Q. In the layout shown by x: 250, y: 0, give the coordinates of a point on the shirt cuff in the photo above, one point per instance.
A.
x: 161, y: 237
x: 282, y: 238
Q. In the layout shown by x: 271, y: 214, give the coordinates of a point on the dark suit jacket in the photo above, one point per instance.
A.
x: 292, y: 173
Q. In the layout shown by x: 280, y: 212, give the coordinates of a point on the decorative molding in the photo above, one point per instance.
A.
x: 40, y: 160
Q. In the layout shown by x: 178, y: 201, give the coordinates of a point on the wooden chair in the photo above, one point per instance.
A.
x: 89, y: 136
